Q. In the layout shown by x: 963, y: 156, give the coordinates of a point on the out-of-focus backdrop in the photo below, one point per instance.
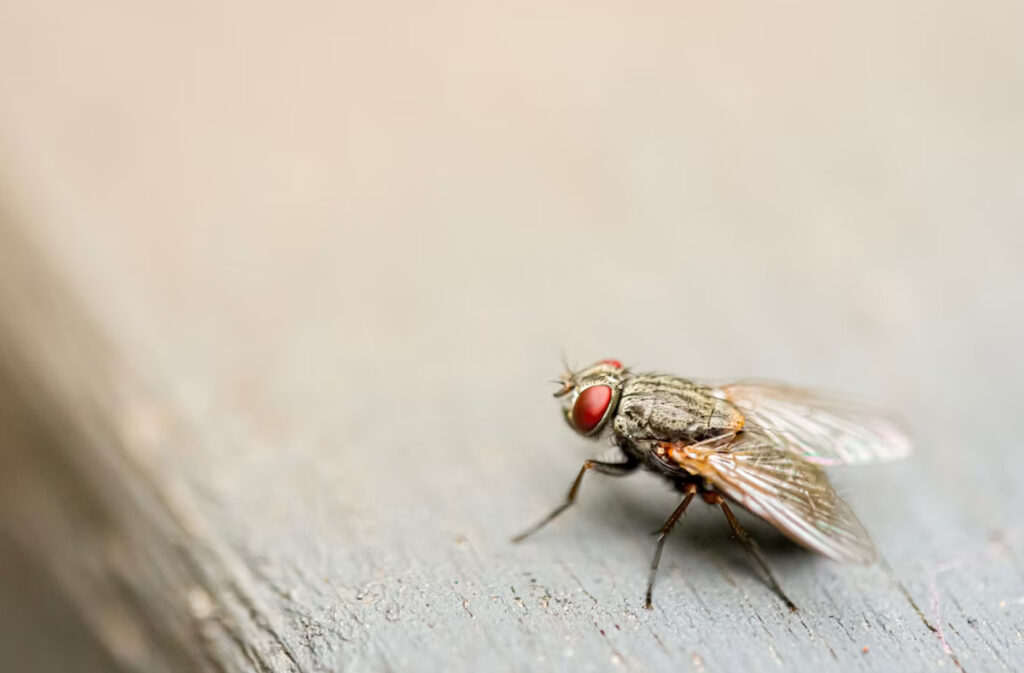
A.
x: 281, y: 286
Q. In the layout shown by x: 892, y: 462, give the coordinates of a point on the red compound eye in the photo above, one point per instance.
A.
x: 590, y: 408
x: 612, y: 363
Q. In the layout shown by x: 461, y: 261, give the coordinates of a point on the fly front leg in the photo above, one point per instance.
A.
x: 611, y: 469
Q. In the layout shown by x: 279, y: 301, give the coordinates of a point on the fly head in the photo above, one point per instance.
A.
x: 589, y: 396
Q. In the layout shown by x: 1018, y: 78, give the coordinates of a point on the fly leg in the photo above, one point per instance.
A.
x: 750, y: 544
x: 690, y: 490
x: 611, y: 469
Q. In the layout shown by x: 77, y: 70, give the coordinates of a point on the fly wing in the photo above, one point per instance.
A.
x: 780, y: 487
x: 821, y: 429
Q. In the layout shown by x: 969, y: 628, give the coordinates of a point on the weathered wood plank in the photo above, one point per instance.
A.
x: 344, y: 542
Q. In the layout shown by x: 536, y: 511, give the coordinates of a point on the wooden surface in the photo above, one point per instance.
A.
x: 280, y: 294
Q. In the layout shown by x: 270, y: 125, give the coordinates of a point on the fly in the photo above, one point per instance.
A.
x: 758, y: 445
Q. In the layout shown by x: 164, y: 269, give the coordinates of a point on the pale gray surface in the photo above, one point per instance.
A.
x: 327, y: 261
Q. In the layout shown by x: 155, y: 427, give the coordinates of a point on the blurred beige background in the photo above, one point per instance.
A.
x: 343, y: 244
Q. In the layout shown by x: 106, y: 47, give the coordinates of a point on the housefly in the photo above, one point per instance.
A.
x: 759, y: 445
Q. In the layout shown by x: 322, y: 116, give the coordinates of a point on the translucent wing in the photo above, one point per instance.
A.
x: 821, y: 429
x: 780, y: 487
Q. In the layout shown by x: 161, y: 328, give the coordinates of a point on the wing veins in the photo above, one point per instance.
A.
x: 759, y: 472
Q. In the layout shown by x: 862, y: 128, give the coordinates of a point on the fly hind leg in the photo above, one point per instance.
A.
x: 751, y: 545
x: 611, y: 469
